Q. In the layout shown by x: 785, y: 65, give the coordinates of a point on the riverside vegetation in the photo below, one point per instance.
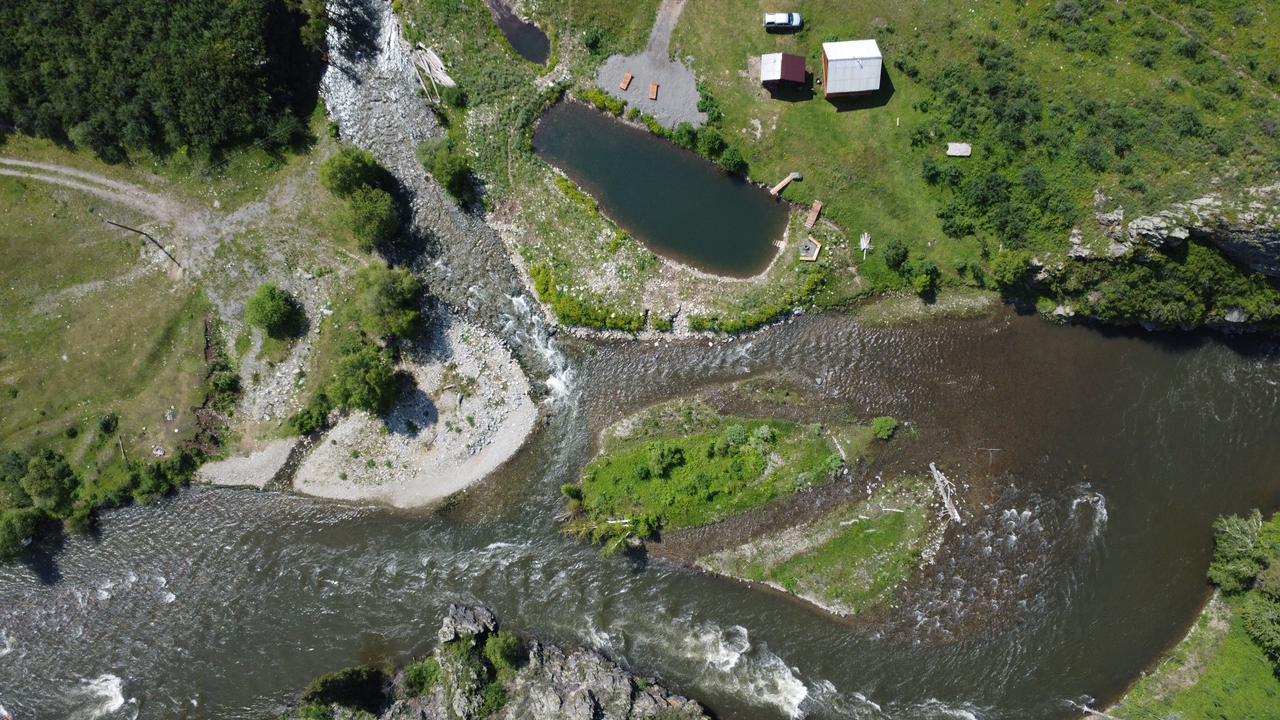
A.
x: 1229, y: 664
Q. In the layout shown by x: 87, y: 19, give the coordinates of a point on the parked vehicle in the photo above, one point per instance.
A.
x: 780, y: 22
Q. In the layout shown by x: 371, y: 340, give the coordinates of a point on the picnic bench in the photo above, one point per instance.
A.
x: 626, y: 82
x: 653, y: 91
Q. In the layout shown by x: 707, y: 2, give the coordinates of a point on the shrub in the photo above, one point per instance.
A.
x: 663, y: 458
x: 884, y: 427
x: 387, y: 301
x: 925, y: 275
x: 273, y: 310
x: 349, y: 170
x: 421, y: 678
x: 1010, y: 270
x: 573, y: 491
x: 1269, y: 579
x: 360, y: 687
x: 504, y: 651
x: 709, y: 105
x: 13, y: 465
x: 449, y: 163
x: 373, y: 217
x: 1238, y: 552
x: 1260, y: 616
x: 312, y: 418
x: 108, y: 423
x: 895, y: 254
x: 710, y: 143
x: 49, y: 482
x: 16, y: 528
x: 454, y: 97
x: 733, y: 162
x: 363, y: 380
x: 603, y: 101
x: 685, y: 136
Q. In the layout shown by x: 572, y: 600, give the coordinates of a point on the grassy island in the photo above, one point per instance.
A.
x: 681, y: 465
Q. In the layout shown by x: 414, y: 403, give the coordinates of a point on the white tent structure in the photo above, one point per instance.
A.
x: 851, y: 67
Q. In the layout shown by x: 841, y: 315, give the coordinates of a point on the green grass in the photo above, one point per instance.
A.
x: 83, y: 337
x: 952, y: 82
x: 849, y: 560
x: 1215, y: 673
x: 682, y: 465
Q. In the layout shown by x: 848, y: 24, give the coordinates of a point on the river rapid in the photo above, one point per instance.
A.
x: 1090, y: 467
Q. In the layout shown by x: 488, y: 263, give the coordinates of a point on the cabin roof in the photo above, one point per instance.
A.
x: 852, y: 50
x: 852, y: 66
x: 781, y: 66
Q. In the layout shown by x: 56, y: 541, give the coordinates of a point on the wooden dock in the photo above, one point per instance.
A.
x: 653, y: 91
x: 777, y: 189
x: 814, y: 212
x: 626, y: 81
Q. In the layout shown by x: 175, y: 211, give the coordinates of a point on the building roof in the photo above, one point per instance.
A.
x: 781, y: 66
x: 852, y: 50
x: 852, y: 66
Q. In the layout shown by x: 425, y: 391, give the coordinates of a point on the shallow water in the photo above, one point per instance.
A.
x: 526, y: 39
x: 1089, y: 466
x: 672, y: 200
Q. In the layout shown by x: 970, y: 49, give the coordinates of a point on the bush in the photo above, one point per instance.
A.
x: 504, y: 651
x: 1260, y: 616
x: 273, y: 310
x: 13, y: 465
x: 421, y: 678
x: 1010, y: 270
x: 573, y: 491
x: 449, y: 163
x: 49, y: 482
x: 710, y: 143
x: 349, y: 170
x: 925, y: 275
x: 312, y: 418
x: 17, y: 527
x: 1238, y: 552
x: 387, y: 301
x: 108, y: 423
x: 373, y: 217
x: 884, y: 427
x: 895, y: 254
x: 360, y: 687
x: 363, y: 380
x: 603, y: 101
x: 733, y: 162
x: 685, y: 136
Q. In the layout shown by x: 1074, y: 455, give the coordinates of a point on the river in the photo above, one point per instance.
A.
x: 1090, y: 466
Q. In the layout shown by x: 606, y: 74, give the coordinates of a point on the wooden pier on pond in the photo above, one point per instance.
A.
x: 777, y: 189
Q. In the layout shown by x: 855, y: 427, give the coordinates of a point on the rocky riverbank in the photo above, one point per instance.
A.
x: 478, y: 671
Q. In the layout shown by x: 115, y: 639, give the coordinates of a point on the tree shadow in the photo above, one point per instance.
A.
x: 791, y: 92
x: 42, y: 554
x: 413, y: 412
x: 876, y: 99
x: 360, y: 25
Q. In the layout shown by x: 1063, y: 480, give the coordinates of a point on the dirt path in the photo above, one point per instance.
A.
x: 198, y: 229
x: 663, y: 26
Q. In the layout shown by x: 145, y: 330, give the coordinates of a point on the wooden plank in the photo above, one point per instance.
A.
x: 653, y: 91
x: 776, y: 189
x: 626, y: 82
x: 814, y: 212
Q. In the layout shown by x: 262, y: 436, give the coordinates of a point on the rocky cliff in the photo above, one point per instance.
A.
x: 1245, y: 228
x: 467, y: 678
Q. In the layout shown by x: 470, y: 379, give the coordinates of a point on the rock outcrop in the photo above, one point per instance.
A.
x: 547, y: 683
x: 1246, y: 229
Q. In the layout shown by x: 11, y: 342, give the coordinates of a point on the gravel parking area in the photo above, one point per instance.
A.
x: 678, y: 88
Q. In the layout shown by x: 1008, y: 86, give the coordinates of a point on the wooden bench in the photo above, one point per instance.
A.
x: 814, y: 212
x: 626, y: 82
x: 653, y: 91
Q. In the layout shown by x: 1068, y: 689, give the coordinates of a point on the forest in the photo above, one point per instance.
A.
x: 160, y: 76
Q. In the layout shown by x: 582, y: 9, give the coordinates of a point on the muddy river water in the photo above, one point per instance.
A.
x: 1090, y: 468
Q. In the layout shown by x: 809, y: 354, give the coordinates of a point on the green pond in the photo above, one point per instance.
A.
x: 677, y: 203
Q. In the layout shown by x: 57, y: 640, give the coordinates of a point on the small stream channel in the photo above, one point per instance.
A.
x: 1090, y: 468
x: 672, y: 200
